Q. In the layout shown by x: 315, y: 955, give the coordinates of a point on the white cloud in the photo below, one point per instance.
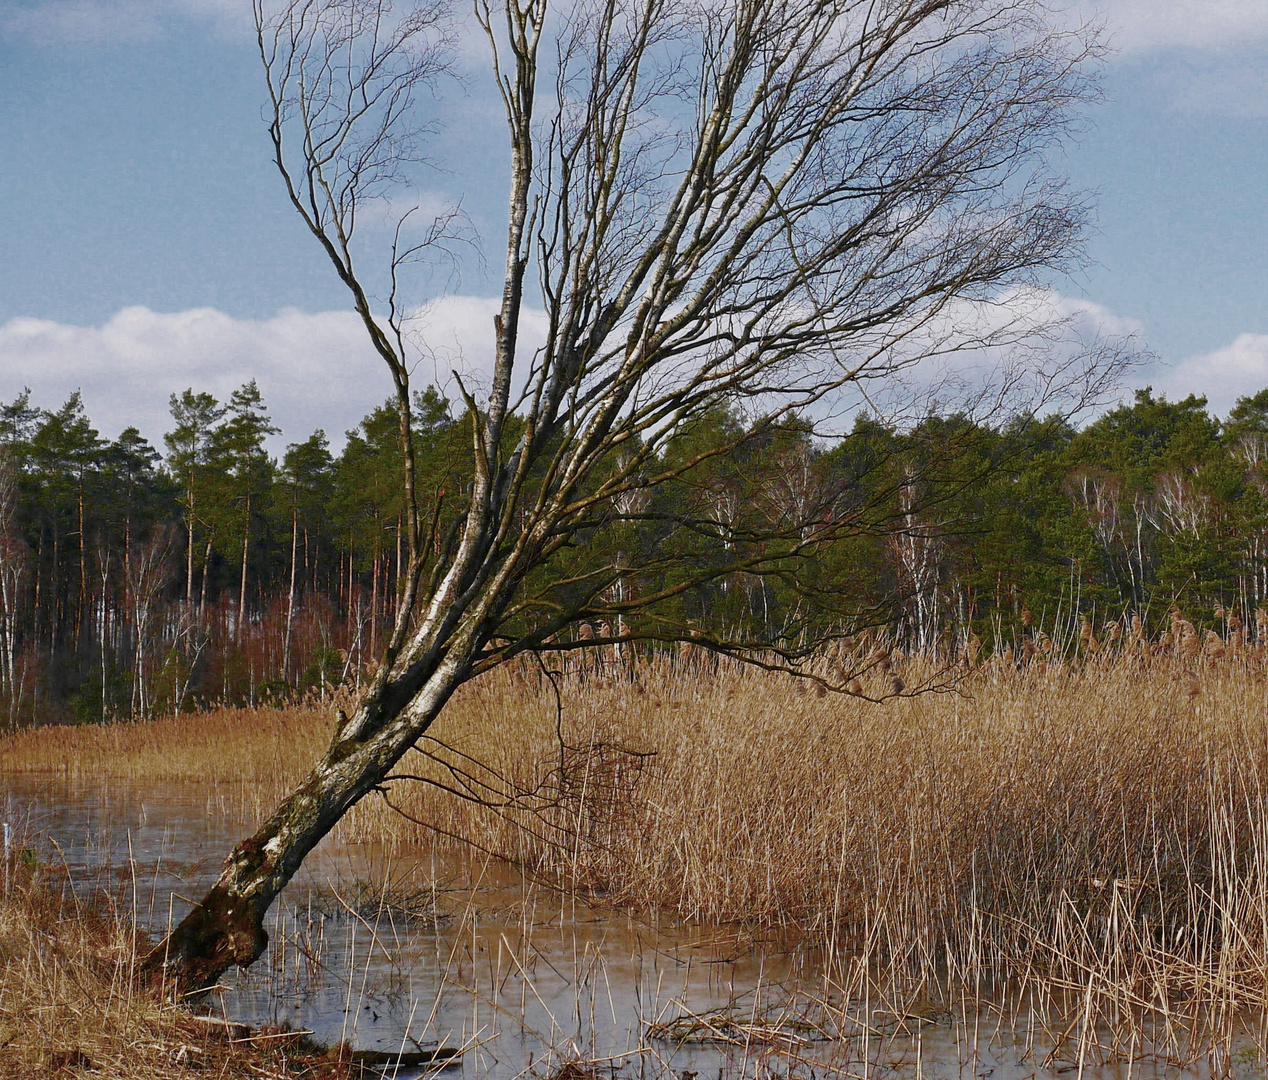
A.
x: 315, y: 370
x: 113, y: 21
x: 83, y: 21
x: 1094, y: 320
x: 1027, y: 349
x: 1143, y: 25
x: 318, y: 370
x: 1136, y: 25
x: 1237, y: 370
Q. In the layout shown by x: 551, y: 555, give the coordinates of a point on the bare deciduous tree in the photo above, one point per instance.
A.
x: 12, y: 569
x: 767, y: 205
x: 149, y: 570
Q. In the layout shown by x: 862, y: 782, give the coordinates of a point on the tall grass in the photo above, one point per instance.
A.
x: 71, y: 1004
x: 1102, y: 824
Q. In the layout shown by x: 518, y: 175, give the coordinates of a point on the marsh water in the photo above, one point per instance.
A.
x: 427, y: 948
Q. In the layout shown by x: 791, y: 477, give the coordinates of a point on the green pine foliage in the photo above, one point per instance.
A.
x: 141, y: 582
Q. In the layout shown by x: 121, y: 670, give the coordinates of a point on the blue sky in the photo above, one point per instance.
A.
x: 148, y: 245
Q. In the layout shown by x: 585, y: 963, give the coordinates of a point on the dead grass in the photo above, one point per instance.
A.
x: 70, y: 1004
x: 226, y: 746
x: 1102, y: 825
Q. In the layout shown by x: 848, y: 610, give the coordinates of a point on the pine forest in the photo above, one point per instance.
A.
x: 138, y: 580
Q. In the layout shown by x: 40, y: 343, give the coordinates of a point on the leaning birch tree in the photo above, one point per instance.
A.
x: 759, y: 205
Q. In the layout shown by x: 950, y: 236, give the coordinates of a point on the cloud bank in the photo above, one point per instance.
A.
x: 1239, y: 369
x: 317, y: 369
x: 1137, y: 25
x: 1147, y: 25
x: 314, y: 369
x: 84, y: 22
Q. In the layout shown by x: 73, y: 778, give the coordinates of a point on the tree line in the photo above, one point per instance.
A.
x: 136, y: 581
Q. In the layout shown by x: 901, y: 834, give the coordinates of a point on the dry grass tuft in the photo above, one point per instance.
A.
x: 70, y: 1003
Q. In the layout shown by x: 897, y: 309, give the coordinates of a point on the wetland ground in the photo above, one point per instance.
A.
x: 717, y: 871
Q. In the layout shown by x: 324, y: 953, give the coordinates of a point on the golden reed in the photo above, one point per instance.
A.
x: 1102, y: 821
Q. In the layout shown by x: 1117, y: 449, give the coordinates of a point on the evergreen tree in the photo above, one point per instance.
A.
x: 65, y: 453
x: 237, y: 446
x: 189, y: 449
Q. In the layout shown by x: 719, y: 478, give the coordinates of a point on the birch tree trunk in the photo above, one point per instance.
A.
x: 227, y: 926
x: 189, y: 553
x: 290, y: 596
x: 242, y: 589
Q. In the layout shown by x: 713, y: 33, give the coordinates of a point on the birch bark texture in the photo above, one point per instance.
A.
x: 768, y: 205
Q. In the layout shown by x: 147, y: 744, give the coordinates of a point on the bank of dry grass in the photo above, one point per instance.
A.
x: 1102, y: 822
x: 71, y: 1005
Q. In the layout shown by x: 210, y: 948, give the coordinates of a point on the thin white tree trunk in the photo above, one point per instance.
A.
x: 290, y: 599
x: 242, y: 591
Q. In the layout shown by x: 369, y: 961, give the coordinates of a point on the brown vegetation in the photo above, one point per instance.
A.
x: 70, y: 1005
x: 1103, y: 822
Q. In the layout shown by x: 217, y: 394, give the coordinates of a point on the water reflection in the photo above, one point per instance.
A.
x: 421, y: 949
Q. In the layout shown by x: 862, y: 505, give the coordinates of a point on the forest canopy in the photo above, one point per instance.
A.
x: 135, y: 581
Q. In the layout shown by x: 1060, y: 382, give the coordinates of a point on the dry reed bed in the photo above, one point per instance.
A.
x: 1102, y: 824
x: 70, y: 1003
x: 226, y: 746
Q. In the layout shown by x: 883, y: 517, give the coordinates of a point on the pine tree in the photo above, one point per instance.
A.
x: 189, y: 446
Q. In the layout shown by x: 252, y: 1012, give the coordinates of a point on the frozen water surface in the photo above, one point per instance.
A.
x: 423, y: 948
